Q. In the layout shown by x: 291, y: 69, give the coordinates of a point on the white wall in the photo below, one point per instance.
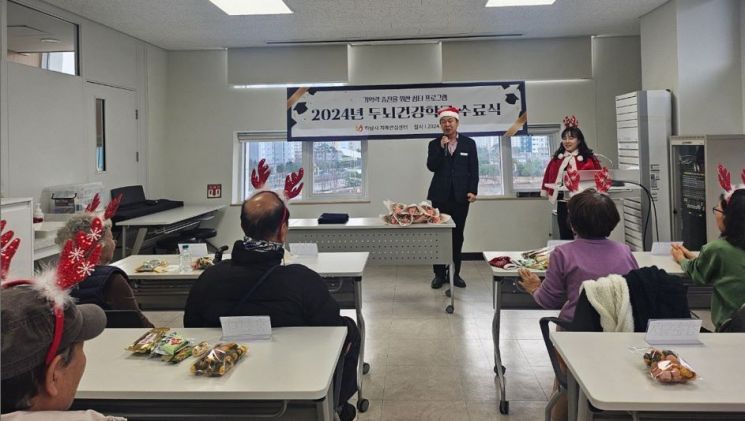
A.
x: 614, y: 73
x: 47, y: 134
x: 659, y: 52
x: 4, y: 172
x: 156, y: 118
x: 395, y: 64
x: 695, y: 50
x: 203, y: 113
x: 710, y: 72
x: 742, y: 61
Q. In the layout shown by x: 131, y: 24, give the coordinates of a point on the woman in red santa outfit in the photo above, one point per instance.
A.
x: 572, y: 153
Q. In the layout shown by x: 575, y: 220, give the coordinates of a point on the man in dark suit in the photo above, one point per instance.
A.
x: 453, y: 160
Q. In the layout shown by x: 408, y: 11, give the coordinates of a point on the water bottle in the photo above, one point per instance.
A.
x: 185, y: 259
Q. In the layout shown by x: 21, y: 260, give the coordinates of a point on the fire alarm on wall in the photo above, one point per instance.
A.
x: 214, y: 191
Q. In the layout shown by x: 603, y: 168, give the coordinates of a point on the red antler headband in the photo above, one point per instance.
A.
x: 77, y: 261
x: 725, y: 181
x: 570, y: 122
x: 602, y: 180
x: 293, y: 184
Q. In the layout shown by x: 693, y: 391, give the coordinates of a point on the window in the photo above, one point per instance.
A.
x: 527, y: 157
x: 333, y: 170
x: 41, y: 40
x: 100, y: 134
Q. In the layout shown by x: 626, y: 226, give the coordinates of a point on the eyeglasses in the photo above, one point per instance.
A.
x: 715, y: 209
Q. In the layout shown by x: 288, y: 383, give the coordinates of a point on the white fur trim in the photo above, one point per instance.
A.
x: 580, y: 158
x: 448, y: 114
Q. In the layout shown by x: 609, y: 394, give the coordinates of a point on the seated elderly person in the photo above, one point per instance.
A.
x: 255, y: 282
x: 33, y: 389
x: 108, y: 286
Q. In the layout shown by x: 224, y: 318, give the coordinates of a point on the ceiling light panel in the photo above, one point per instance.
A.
x: 513, y: 3
x: 252, y: 7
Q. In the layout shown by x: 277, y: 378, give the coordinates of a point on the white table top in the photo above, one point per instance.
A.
x: 361, y: 223
x: 325, y: 264
x: 170, y: 216
x: 298, y: 363
x: 614, y: 377
x: 643, y: 258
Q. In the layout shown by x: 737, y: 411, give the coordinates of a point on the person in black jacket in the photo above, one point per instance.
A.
x: 455, y: 183
x: 254, y: 282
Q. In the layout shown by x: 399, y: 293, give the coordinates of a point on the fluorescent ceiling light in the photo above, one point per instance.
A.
x: 289, y: 85
x: 252, y: 7
x: 510, y: 3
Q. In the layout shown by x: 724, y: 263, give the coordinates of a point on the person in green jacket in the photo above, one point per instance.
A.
x: 721, y: 263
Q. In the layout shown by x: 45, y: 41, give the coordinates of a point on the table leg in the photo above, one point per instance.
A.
x: 451, y: 308
x: 583, y: 407
x: 124, y: 242
x: 325, y: 407
x: 495, y: 325
x: 572, y: 396
x: 362, y: 366
x: 141, y: 232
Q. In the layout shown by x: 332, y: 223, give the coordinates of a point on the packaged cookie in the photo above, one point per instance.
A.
x: 219, y: 360
x: 666, y: 366
x: 169, y: 345
x: 148, y: 341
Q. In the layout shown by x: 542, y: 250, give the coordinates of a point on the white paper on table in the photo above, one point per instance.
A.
x: 673, y: 331
x: 196, y: 249
x: 304, y: 249
x: 663, y: 248
x: 246, y: 328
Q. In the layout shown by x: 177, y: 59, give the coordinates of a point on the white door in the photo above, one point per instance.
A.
x: 113, y: 138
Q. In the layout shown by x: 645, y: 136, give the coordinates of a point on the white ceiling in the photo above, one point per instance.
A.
x: 198, y: 24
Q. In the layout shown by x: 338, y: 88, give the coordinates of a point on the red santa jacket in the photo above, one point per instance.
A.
x: 552, y: 170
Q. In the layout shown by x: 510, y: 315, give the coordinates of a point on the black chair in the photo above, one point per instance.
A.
x: 736, y: 323
x: 118, y: 319
x: 586, y: 319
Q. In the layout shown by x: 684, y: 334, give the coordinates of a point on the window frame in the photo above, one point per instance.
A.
x: 553, y: 131
x: 242, y: 178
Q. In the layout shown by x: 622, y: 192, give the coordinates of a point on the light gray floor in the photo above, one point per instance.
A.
x: 429, y: 365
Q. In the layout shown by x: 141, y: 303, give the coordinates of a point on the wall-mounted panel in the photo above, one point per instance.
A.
x: 395, y: 64
x: 530, y: 59
x: 287, y: 65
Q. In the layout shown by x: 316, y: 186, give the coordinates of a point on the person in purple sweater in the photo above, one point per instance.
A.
x: 590, y: 256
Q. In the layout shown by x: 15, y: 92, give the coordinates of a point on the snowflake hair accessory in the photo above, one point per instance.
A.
x: 77, y: 261
x: 570, y: 122
x: 725, y: 181
x: 293, y: 184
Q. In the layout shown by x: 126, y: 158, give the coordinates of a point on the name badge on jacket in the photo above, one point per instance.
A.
x: 464, y: 154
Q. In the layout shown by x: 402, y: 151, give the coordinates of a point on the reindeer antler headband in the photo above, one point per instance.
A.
x: 77, y: 261
x: 293, y: 184
x: 725, y: 181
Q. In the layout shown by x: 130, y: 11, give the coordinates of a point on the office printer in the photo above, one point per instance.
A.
x: 134, y: 204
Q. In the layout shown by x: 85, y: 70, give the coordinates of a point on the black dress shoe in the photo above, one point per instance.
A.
x: 459, y: 282
x: 437, y: 282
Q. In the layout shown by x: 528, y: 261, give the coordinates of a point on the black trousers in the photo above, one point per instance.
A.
x: 349, y: 374
x: 562, y: 217
x: 459, y: 212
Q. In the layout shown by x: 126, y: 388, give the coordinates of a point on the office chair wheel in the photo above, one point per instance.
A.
x: 363, y: 405
x: 504, y: 407
x: 450, y: 309
x: 504, y: 370
x: 365, y: 368
x: 448, y: 293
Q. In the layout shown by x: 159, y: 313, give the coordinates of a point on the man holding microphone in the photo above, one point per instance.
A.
x: 453, y: 160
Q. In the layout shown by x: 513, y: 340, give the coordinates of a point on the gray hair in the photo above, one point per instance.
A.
x: 78, y: 222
